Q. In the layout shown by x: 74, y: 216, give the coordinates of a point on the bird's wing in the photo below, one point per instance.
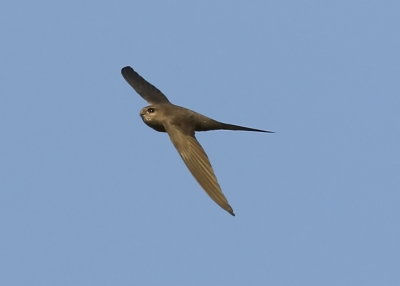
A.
x: 146, y: 90
x: 198, y: 164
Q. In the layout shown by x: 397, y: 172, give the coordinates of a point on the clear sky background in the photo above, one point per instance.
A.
x: 89, y: 195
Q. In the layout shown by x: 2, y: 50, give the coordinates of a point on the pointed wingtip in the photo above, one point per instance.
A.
x: 125, y: 69
x: 230, y: 211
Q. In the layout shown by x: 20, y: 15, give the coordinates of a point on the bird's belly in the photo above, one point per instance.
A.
x: 155, y: 126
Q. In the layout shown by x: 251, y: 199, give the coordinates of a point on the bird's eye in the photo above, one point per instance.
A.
x: 150, y: 110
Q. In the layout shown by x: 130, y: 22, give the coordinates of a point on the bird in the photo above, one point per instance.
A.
x: 181, y: 124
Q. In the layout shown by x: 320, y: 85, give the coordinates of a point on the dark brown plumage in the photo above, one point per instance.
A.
x: 181, y: 124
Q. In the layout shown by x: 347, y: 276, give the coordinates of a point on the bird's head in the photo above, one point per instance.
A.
x: 152, y: 115
x: 148, y: 113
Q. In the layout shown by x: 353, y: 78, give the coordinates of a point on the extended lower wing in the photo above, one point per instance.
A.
x: 198, y: 164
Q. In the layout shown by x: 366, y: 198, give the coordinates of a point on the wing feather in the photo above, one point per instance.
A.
x: 198, y: 164
x: 145, y: 89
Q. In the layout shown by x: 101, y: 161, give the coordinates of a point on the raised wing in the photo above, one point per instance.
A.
x: 145, y: 89
x: 198, y: 164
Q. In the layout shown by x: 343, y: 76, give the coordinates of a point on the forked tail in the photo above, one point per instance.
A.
x: 237, y: 127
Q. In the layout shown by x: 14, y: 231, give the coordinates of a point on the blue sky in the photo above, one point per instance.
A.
x: 89, y: 195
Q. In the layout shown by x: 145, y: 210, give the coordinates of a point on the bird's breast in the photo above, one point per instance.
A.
x: 155, y: 125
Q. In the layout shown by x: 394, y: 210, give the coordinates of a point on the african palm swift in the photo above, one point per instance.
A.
x: 181, y: 124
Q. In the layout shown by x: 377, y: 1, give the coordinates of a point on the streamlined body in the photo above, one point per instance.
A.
x: 181, y: 124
